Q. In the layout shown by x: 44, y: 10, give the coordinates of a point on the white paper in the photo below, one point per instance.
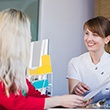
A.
x: 95, y: 91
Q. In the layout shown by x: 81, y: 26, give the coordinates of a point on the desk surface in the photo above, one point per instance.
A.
x: 88, y: 107
x: 72, y: 109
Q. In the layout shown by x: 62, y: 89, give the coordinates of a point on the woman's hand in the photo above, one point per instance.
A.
x: 71, y: 101
x: 80, y: 88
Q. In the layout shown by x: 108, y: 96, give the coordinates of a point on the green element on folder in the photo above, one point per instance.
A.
x: 38, y: 84
x: 24, y: 93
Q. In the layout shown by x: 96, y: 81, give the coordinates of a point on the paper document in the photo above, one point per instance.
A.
x: 95, y: 91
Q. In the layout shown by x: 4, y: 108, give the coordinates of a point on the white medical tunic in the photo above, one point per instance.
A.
x: 83, y: 69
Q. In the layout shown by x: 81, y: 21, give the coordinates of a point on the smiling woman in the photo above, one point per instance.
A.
x: 87, y: 71
x: 30, y: 7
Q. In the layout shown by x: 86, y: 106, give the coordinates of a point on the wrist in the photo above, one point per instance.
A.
x: 57, y: 100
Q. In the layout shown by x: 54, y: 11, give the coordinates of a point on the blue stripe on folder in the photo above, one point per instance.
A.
x: 39, y: 84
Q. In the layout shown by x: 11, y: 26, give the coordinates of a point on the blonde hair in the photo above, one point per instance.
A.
x: 15, y: 38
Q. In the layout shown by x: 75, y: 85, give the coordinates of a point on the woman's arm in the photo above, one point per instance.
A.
x: 71, y: 84
x: 77, y: 87
x: 67, y: 101
x: 29, y: 102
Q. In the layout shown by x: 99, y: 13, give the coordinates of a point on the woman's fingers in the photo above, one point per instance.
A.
x: 80, y: 88
x: 78, y: 91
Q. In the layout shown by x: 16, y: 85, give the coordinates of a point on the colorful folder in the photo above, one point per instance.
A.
x: 46, y: 67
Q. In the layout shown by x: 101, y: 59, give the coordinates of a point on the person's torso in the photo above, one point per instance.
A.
x: 93, y: 75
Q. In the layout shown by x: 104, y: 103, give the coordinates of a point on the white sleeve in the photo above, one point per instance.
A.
x: 72, y: 70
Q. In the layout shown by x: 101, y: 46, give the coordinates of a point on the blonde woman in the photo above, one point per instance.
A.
x: 16, y: 92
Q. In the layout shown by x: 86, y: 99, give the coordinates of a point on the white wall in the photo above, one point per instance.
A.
x: 61, y: 21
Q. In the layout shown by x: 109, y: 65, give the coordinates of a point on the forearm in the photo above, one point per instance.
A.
x: 52, y: 102
x: 71, y: 84
x: 67, y: 101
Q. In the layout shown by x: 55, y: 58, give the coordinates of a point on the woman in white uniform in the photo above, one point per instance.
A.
x: 87, y: 71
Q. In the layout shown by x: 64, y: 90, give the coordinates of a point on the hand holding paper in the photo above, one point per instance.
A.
x: 98, y: 89
x: 80, y: 88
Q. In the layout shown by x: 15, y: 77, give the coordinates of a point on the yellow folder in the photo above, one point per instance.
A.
x: 46, y: 67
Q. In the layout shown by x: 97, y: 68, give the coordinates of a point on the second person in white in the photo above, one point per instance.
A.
x: 87, y: 71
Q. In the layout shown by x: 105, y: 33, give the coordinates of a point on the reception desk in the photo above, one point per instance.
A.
x: 72, y: 109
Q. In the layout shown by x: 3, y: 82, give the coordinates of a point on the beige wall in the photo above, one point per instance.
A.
x: 102, y: 8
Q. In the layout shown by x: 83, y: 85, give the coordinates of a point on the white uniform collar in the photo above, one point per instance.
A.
x: 104, y: 58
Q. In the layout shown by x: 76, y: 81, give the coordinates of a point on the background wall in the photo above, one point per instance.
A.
x: 61, y: 21
x: 30, y: 7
